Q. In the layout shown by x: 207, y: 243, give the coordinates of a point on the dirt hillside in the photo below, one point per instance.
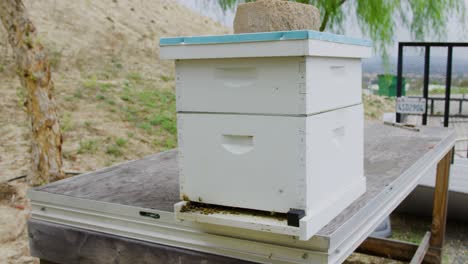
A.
x: 115, y: 97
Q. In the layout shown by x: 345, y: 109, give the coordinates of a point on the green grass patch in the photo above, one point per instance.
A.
x: 66, y: 123
x: 170, y: 143
x: 78, y: 94
x: 116, y: 61
x: 150, y: 109
x: 105, y: 87
x: 111, y: 69
x: 21, y: 95
x: 453, y: 90
x: 135, y: 77
x: 142, y: 104
x: 88, y: 124
x: 121, y: 142
x: 90, y: 83
x: 166, y: 121
x: 93, y: 83
x: 409, y: 228
x: 166, y: 78
x: 125, y: 98
x: 110, y: 101
x: 145, y: 126
x: 118, y: 65
x: 439, y: 91
x: 89, y: 146
x: 114, y: 150
x: 55, y: 57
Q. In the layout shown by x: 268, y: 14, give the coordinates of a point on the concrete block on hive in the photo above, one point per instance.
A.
x: 275, y: 15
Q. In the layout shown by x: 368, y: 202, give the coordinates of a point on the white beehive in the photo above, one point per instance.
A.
x: 271, y: 122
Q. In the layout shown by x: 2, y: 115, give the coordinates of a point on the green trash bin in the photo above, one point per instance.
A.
x: 388, y: 85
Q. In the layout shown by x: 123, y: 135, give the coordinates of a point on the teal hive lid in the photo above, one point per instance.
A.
x: 264, y: 36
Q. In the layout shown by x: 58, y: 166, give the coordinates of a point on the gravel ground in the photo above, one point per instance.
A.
x: 412, y: 228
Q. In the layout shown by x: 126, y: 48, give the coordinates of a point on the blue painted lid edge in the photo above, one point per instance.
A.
x: 264, y: 36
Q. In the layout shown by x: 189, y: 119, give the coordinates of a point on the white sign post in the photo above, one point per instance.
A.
x: 408, y: 105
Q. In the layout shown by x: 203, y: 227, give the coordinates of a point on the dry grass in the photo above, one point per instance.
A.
x: 375, y: 106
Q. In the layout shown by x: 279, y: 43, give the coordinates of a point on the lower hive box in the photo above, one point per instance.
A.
x: 276, y: 164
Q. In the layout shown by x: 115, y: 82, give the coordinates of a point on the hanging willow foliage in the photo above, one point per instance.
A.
x: 377, y: 19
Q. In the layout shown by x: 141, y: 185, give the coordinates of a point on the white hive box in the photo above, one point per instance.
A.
x: 270, y: 122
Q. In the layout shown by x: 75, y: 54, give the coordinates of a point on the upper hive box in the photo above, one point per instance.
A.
x: 283, y: 73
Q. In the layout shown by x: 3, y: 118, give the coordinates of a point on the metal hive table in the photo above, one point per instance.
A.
x: 124, y: 213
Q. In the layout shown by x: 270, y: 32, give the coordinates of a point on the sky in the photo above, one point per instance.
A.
x: 454, y: 31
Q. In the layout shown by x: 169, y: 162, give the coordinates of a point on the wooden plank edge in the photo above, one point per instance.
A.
x: 422, y: 249
x: 392, y: 249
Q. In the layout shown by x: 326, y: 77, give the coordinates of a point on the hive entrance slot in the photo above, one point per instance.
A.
x: 208, y: 209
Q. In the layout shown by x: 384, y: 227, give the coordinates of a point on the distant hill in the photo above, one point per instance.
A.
x: 415, y: 64
x: 88, y: 35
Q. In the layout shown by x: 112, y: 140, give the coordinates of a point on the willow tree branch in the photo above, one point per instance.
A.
x: 326, y: 17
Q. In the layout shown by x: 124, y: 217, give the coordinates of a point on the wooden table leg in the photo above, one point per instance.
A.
x: 439, y: 211
x: 405, y: 251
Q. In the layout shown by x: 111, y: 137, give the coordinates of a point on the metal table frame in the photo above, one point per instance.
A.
x: 73, y: 218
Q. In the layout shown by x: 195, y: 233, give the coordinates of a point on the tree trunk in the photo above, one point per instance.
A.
x: 34, y: 72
